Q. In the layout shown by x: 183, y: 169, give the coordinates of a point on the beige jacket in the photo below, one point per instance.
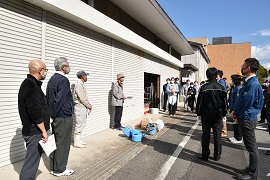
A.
x: 80, y: 95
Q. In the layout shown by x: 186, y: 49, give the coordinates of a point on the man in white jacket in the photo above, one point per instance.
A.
x: 81, y: 108
x: 172, y: 90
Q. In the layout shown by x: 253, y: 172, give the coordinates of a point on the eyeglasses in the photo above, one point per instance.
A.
x: 66, y: 66
x: 44, y: 69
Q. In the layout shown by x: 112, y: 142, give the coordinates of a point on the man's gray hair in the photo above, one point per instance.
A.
x: 59, y: 62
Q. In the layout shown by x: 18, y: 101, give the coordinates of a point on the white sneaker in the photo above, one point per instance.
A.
x: 237, y: 142
x: 83, y: 143
x: 67, y: 172
x: 268, y: 174
x: 232, y: 139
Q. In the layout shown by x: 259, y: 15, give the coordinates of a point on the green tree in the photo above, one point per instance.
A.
x: 262, y: 73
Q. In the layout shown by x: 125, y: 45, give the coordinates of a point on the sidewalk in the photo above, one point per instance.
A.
x: 99, y: 153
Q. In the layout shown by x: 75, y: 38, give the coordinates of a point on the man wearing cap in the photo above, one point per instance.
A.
x: 117, y: 100
x: 81, y: 107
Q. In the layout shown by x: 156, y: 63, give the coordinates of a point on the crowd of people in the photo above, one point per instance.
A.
x: 244, y: 98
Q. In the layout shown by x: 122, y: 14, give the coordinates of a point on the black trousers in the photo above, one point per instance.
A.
x: 165, y: 101
x: 237, y: 132
x: 32, y: 157
x: 247, y: 128
x: 176, y: 104
x: 118, y: 116
x: 191, y: 101
x: 210, y: 122
x: 268, y: 122
x: 62, y: 130
x: 263, y: 114
x: 172, y: 108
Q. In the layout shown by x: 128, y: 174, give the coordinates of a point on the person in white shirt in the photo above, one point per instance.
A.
x: 172, y: 90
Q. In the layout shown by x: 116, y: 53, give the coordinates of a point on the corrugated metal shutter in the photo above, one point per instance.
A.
x: 151, y: 64
x: 167, y: 71
x: 157, y: 66
x: 20, y: 34
x: 88, y: 51
x: 129, y: 61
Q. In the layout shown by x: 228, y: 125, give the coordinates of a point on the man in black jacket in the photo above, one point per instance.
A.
x: 35, y: 117
x: 211, y: 106
x: 61, y: 106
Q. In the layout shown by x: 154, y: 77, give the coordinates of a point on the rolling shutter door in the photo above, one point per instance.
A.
x: 167, y: 71
x: 20, y: 34
x: 88, y: 51
x: 151, y: 64
x: 129, y: 61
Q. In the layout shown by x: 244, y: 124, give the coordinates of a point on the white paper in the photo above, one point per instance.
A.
x: 129, y: 97
x: 49, y: 146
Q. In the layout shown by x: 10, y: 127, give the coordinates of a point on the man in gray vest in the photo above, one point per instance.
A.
x: 117, y: 100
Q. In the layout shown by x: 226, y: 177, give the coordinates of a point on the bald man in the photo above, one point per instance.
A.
x: 35, y: 117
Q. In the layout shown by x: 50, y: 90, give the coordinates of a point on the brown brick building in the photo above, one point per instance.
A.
x: 228, y: 57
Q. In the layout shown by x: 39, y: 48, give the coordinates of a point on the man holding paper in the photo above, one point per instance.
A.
x: 35, y: 117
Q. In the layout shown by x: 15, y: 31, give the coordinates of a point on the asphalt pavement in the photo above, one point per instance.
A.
x: 169, y: 154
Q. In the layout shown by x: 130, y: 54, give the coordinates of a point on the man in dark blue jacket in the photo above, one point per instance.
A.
x: 246, y: 110
x: 165, y: 94
x: 221, y: 81
x: 61, y: 106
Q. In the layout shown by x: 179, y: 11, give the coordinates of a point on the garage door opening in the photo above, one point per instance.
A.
x: 151, y: 90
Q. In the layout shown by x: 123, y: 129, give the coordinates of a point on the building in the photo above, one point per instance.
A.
x: 222, y: 40
x: 228, y: 57
x: 101, y: 37
x: 224, y: 54
x: 195, y: 65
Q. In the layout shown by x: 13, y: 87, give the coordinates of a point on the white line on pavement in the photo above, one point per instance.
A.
x: 169, y: 163
x: 263, y: 148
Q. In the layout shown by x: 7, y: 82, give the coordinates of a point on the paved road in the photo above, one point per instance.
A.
x: 173, y: 156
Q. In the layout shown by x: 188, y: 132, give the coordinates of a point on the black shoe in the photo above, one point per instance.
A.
x: 118, y: 128
x: 267, y: 153
x: 261, y: 121
x: 203, y: 158
x: 216, y: 158
x: 242, y: 171
x: 245, y: 176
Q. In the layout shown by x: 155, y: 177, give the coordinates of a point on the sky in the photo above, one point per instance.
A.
x: 243, y: 20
